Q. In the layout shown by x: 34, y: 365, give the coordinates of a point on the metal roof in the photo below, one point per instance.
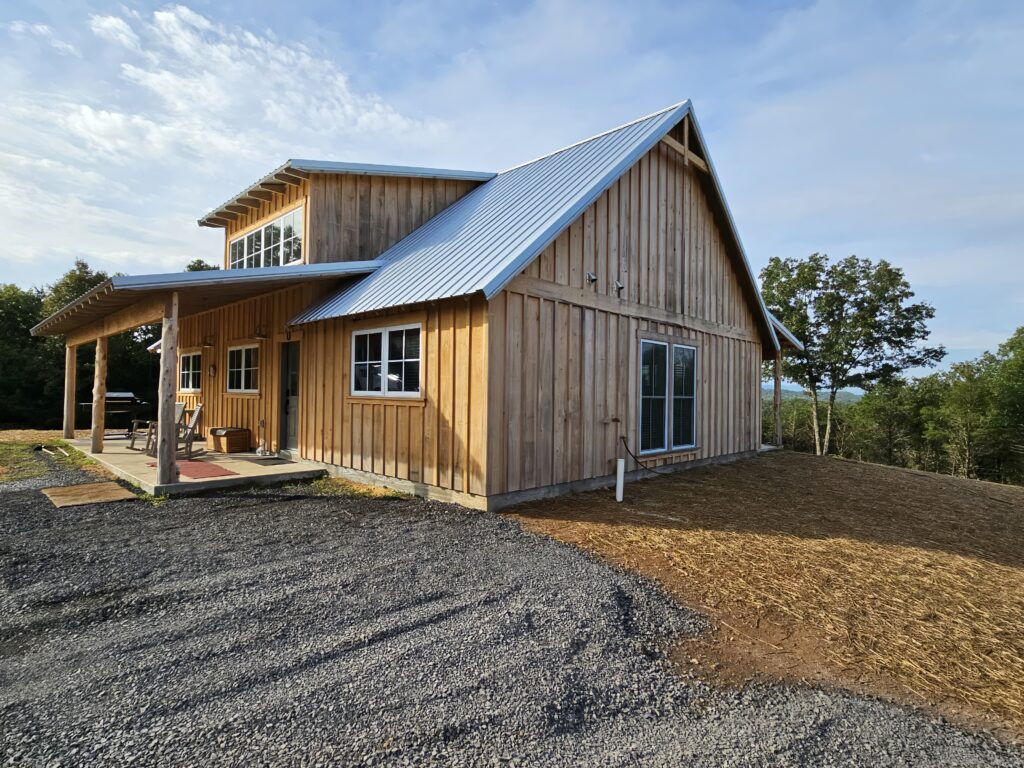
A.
x: 293, y: 171
x: 205, y: 290
x: 785, y: 333
x: 488, y: 236
x: 484, y: 239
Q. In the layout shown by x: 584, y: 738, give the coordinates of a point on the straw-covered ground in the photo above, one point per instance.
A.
x: 905, y: 584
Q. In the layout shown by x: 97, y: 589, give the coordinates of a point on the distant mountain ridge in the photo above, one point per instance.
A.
x: 792, y: 393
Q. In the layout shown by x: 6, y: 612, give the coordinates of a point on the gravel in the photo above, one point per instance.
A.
x: 275, y: 626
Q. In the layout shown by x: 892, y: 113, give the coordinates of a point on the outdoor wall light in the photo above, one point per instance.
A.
x: 591, y: 277
x: 212, y: 370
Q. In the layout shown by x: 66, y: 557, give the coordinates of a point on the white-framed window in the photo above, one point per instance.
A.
x: 190, y: 372
x: 668, y: 396
x: 386, y: 361
x: 272, y: 245
x: 244, y: 368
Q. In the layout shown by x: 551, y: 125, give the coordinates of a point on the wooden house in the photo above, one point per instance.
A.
x: 477, y: 337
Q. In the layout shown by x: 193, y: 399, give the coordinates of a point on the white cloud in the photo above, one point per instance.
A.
x: 175, y: 113
x: 44, y: 33
x: 115, y: 30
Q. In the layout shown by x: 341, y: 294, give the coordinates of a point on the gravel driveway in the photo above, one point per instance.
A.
x: 280, y: 627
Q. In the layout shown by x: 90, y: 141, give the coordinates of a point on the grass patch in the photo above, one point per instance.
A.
x: 336, y: 486
x: 906, y: 584
x: 19, y: 461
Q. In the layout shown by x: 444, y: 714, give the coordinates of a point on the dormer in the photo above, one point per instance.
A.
x: 314, y: 211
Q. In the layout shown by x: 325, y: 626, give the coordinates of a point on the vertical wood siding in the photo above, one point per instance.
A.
x: 440, y: 439
x: 355, y: 218
x: 563, y: 358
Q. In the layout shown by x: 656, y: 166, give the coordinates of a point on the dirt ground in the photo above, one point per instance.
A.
x: 904, y: 584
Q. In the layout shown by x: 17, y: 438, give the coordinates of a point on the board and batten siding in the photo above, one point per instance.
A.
x: 357, y: 217
x: 350, y: 217
x: 439, y: 439
x: 237, y: 325
x: 563, y: 358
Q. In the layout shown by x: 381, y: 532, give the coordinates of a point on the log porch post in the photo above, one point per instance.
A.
x: 777, y: 398
x: 99, y: 395
x: 70, y: 372
x: 167, y: 439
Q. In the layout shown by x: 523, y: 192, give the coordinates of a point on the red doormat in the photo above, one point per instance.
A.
x: 198, y: 470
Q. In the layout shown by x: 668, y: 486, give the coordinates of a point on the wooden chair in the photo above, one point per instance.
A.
x: 185, y: 433
x: 148, y: 426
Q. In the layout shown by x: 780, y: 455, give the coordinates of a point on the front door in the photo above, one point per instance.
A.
x: 290, y: 396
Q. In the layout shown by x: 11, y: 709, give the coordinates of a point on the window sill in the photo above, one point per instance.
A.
x: 419, y: 400
x: 242, y: 393
x: 668, y: 454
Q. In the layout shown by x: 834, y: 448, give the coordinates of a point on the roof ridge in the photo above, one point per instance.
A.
x: 634, y: 121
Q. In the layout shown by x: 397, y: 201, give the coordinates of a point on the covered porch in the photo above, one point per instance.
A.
x: 124, y: 303
x: 206, y: 470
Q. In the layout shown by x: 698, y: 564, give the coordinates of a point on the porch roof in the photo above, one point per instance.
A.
x: 198, y: 291
x: 785, y: 335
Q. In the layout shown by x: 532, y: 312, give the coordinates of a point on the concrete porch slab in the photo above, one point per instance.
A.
x: 133, y: 466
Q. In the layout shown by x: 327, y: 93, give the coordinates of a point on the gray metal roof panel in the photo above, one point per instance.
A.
x: 122, y: 290
x: 357, y: 169
x: 373, y: 169
x: 486, y: 238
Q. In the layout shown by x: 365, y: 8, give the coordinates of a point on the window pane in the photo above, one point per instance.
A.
x: 682, y: 422
x: 395, y: 345
x: 374, y: 377
x: 234, y: 379
x: 683, y: 371
x: 271, y: 234
x: 272, y: 256
x: 254, y: 357
x: 297, y: 248
x: 286, y: 257
x: 652, y: 423
x: 412, y: 344
x: 412, y: 377
x: 361, y: 348
x: 652, y: 369
x: 234, y: 358
x: 374, y: 340
x: 395, y: 377
x: 362, y: 373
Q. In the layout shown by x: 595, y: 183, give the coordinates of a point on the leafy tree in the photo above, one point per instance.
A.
x: 198, y: 265
x: 20, y: 371
x: 857, y: 322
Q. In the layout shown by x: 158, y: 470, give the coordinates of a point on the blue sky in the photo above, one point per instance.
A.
x: 889, y: 130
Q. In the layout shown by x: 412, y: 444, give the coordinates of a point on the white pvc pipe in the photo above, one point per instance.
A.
x: 620, y: 478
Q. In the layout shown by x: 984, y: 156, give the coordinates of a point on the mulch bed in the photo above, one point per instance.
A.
x: 902, y: 583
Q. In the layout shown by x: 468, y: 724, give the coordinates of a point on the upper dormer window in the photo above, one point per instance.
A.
x: 272, y: 245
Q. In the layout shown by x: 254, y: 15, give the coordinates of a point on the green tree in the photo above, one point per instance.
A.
x: 20, y: 354
x: 857, y: 322
x: 198, y: 265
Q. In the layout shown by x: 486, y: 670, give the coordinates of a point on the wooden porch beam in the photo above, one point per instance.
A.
x: 70, y: 374
x: 261, y: 194
x: 777, y: 398
x: 249, y: 202
x: 274, y: 186
x: 167, y: 428
x: 241, y: 210
x: 215, y: 221
x: 99, y: 395
x: 296, y: 173
x: 142, y: 312
x: 224, y: 213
